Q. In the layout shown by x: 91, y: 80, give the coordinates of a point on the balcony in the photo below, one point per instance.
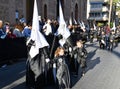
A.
x: 105, y: 9
x: 95, y: 9
x: 101, y: 18
x: 100, y: 9
x: 99, y: 0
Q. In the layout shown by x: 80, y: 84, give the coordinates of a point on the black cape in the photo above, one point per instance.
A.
x: 38, y: 71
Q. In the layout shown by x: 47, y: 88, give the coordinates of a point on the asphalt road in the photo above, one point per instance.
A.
x: 103, y: 71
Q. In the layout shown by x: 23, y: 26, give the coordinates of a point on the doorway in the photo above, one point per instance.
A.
x: 76, y: 12
x: 29, y: 10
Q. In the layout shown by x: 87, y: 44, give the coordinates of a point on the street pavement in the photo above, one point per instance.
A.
x: 102, y: 72
x: 13, y: 76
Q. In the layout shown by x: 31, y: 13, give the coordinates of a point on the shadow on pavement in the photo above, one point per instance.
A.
x: 93, y: 63
x: 90, y: 65
x: 91, y: 54
x: 116, y: 53
x: 10, y: 75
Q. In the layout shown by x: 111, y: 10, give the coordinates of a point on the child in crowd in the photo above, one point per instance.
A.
x: 62, y: 75
x: 80, y: 55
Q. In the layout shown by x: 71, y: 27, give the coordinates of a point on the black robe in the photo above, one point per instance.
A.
x: 39, y: 69
x: 62, y: 75
x: 80, y: 55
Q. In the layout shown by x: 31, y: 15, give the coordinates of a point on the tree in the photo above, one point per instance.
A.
x: 117, y: 2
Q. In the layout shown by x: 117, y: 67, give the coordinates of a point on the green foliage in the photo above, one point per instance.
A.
x: 111, y: 24
x: 100, y: 24
x: 115, y: 1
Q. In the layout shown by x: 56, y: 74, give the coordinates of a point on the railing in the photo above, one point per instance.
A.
x: 12, y: 48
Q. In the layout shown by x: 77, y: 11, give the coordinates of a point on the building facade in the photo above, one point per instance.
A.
x: 99, y: 10
x: 8, y: 8
x: 76, y: 9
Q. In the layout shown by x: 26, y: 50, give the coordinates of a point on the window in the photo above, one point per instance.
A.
x: 45, y: 11
x: 96, y: 5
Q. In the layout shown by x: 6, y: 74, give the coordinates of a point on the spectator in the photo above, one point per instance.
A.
x: 22, y: 19
x: 47, y: 29
x: 41, y: 22
x: 27, y: 31
x: 107, y: 30
x: 17, y: 16
x: 107, y: 34
x: 6, y: 26
x: 18, y: 31
x: 2, y: 33
x: 10, y: 34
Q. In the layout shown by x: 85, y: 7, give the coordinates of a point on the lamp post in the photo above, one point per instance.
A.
x: 110, y: 12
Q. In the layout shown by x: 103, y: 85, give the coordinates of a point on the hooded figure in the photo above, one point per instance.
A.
x: 38, y: 62
x: 38, y: 72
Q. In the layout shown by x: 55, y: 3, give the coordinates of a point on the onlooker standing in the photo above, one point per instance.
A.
x: 22, y: 19
x: 47, y: 29
x: 107, y: 34
x: 18, y: 31
x: 41, y: 22
x: 17, y: 16
x: 107, y: 29
x: 10, y: 33
x: 2, y: 33
x: 27, y: 31
x: 6, y: 26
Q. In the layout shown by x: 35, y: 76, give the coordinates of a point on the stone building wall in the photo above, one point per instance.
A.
x: 8, y: 8
x: 69, y: 8
x: 4, y: 10
x: 25, y: 7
